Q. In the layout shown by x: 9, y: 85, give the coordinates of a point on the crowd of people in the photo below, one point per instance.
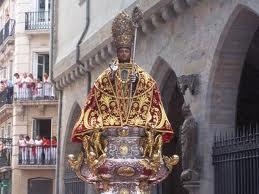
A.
x: 26, y: 87
x: 38, y: 151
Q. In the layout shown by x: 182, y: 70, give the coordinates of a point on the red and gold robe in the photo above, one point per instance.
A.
x: 109, y: 105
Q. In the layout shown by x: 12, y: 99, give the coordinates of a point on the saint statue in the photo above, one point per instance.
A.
x: 124, y: 94
x: 123, y: 124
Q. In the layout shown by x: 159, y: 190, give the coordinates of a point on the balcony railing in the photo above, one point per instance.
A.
x: 37, y: 155
x: 6, y: 96
x: 5, y: 152
x: 37, y: 20
x: 30, y: 91
x: 7, y: 31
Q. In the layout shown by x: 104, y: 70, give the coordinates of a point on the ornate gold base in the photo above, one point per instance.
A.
x: 124, y: 188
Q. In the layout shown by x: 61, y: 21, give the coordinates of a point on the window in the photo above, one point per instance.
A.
x: 43, y: 65
x: 44, y: 8
x: 41, y: 127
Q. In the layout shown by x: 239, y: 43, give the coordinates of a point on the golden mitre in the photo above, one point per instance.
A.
x: 123, y: 31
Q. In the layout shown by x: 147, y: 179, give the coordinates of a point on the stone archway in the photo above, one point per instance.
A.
x: 172, y: 101
x: 227, y: 67
x: 224, y: 81
x: 71, y: 182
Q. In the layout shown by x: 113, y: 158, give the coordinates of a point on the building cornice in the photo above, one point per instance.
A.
x: 155, y: 13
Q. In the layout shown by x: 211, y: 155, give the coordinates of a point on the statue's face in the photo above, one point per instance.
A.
x: 124, y: 55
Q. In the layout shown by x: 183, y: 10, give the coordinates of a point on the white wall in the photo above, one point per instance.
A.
x: 71, y: 23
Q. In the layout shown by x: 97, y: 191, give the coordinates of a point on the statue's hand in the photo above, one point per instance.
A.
x: 133, y: 78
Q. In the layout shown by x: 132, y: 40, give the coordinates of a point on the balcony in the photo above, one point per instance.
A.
x: 34, y: 91
x: 7, y: 32
x: 5, y: 152
x: 6, y: 96
x: 40, y: 156
x: 35, y: 21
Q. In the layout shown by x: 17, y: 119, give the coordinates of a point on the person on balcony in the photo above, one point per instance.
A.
x: 46, y: 147
x: 39, y: 149
x: 30, y: 145
x: 30, y: 86
x: 25, y: 91
x: 53, y: 149
x: 38, y: 94
x: 47, y: 86
x: 17, y: 85
x: 22, y: 149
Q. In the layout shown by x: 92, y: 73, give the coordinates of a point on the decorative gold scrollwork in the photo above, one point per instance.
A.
x: 75, y: 164
x: 171, y: 161
x: 152, y: 152
x: 93, y: 155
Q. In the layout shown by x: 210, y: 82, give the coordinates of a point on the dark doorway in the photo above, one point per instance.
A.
x: 42, y: 127
x: 40, y: 186
x: 72, y: 183
x: 173, y: 102
x: 248, y: 104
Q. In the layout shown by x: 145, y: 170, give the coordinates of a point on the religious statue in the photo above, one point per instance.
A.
x: 123, y: 124
x: 189, y: 142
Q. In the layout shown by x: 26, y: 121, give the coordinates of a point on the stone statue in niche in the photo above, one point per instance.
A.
x: 189, y: 143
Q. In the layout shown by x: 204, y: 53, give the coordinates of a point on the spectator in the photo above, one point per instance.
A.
x: 31, y: 149
x: 47, y: 86
x: 39, y: 150
x: 17, y: 85
x: 46, y: 78
x: 25, y: 90
x: 53, y: 149
x: 38, y: 89
x: 22, y: 149
x: 30, y: 86
x: 46, y: 148
x: 53, y: 141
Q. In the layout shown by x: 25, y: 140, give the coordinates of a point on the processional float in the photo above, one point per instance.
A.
x: 123, y: 126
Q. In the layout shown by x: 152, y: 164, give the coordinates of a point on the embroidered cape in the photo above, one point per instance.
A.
x: 109, y: 105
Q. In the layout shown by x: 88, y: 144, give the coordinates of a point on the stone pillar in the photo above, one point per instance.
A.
x: 19, y: 127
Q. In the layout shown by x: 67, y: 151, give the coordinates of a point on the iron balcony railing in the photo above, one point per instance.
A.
x: 6, y: 96
x: 34, y: 91
x: 37, y: 155
x: 37, y: 20
x: 236, y: 163
x: 7, y: 30
x: 5, y: 152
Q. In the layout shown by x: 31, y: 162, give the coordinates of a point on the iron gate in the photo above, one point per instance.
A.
x: 236, y: 163
x: 73, y: 184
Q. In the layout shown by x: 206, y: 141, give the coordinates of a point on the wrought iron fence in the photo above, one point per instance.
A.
x: 37, y: 20
x: 236, y: 162
x: 6, y: 96
x: 37, y: 155
x: 72, y: 183
x: 7, y: 31
x: 5, y: 151
x: 30, y: 91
